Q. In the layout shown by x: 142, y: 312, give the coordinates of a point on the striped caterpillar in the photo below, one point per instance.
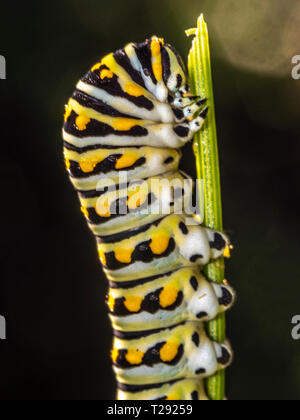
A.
x: 124, y: 125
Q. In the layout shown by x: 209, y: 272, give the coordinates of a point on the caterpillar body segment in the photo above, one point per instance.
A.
x: 162, y: 246
x: 123, y: 128
x: 166, y: 300
x: 135, y: 204
x: 117, y: 131
x: 182, y: 389
x: 154, y: 356
x: 94, y: 169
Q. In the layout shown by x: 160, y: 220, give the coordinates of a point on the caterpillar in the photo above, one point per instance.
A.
x: 123, y: 129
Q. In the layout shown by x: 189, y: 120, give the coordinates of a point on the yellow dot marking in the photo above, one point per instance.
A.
x: 168, y: 351
x: 123, y: 255
x: 155, y: 47
x: 96, y: 67
x: 134, y: 357
x: 68, y: 111
x: 81, y: 122
x: 227, y: 253
x: 125, y: 161
x: 111, y: 302
x: 123, y: 124
x: 168, y: 296
x: 159, y: 244
x: 133, y: 89
x: 157, y: 70
x: 85, y: 211
x: 114, y: 355
x: 67, y: 163
x: 105, y: 73
x: 102, y: 256
x: 103, y: 208
x: 133, y: 303
x: 156, y: 55
x: 87, y: 165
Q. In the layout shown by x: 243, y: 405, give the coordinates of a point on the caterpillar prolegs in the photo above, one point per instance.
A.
x: 124, y: 125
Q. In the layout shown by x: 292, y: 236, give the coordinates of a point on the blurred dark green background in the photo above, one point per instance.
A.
x: 52, y: 288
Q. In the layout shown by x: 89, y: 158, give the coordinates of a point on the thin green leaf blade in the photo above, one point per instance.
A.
x: 207, y: 164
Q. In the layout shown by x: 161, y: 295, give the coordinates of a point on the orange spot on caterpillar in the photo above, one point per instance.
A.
x: 123, y: 255
x: 114, y: 354
x: 168, y: 351
x: 105, y: 73
x: 134, y: 357
x: 67, y: 163
x: 96, y: 66
x: 102, y: 256
x: 157, y: 70
x: 133, y: 89
x: 133, y: 303
x: 168, y: 296
x: 156, y: 58
x: 82, y: 122
x: 123, y: 124
x: 159, y: 244
x: 111, y: 302
x: 155, y: 47
x: 87, y: 165
x: 125, y: 161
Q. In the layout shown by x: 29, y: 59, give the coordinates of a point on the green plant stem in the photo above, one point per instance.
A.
x: 207, y: 162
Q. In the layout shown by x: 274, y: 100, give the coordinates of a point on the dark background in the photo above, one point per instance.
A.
x: 52, y: 287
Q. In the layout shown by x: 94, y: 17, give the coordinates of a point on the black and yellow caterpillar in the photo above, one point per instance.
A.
x: 124, y: 125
